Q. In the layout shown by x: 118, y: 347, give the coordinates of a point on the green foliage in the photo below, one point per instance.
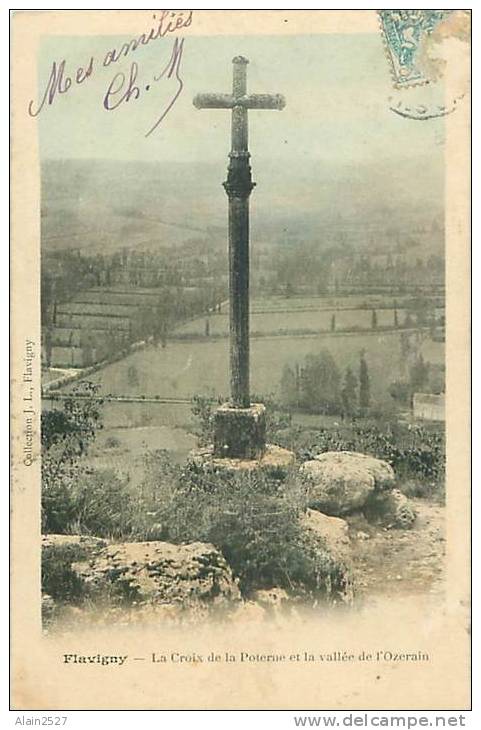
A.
x: 413, y: 451
x: 419, y: 375
x: 401, y: 391
x: 202, y: 410
x: 86, y: 501
x: 289, y: 387
x: 74, y: 427
x: 89, y: 502
x: 424, y: 377
x: 66, y: 435
x: 315, y: 387
x: 320, y: 384
x: 364, y: 385
x: 251, y: 518
x: 277, y: 419
x: 58, y: 579
x: 349, y: 395
x: 254, y: 521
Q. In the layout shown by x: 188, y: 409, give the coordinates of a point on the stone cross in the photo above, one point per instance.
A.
x: 238, y: 187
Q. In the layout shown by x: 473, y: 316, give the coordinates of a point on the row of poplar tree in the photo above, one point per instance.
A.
x: 318, y: 386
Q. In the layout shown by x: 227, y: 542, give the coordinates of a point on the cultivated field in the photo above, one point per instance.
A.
x: 287, y: 321
x: 183, y: 369
x: 187, y: 367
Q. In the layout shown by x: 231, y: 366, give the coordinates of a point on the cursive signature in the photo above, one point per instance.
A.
x: 122, y: 88
x: 59, y: 83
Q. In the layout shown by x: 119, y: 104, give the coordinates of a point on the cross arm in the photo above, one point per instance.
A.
x: 228, y: 101
x: 214, y: 101
x: 263, y: 101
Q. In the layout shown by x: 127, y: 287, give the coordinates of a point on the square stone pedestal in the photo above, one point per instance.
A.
x: 240, y: 433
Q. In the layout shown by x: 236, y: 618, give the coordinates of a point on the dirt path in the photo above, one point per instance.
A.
x: 394, y: 562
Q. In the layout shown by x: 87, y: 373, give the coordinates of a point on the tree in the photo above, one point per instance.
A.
x: 364, y: 385
x: 396, y: 321
x: 132, y: 376
x: 320, y: 384
x: 419, y: 374
x: 408, y: 320
x: 207, y: 327
x: 333, y: 323
x: 374, y: 320
x: 349, y: 393
x: 288, y: 389
x: 420, y: 307
x: 48, y: 344
x: 400, y: 391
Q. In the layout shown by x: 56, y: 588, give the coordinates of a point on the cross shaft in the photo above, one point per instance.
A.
x: 238, y: 187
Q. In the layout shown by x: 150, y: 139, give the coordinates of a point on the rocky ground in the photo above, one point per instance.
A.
x: 395, y: 561
x: 361, y: 537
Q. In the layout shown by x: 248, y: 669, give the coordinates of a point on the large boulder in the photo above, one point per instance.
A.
x: 326, y: 539
x: 85, y: 544
x: 332, y: 531
x: 340, y: 482
x: 392, y: 509
x: 159, y: 574
x: 274, y: 601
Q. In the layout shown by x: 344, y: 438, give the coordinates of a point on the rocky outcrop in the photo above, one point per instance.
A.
x: 188, y: 577
x: 326, y: 541
x: 273, y: 600
x: 340, y: 482
x: 332, y: 531
x: 85, y: 544
x: 392, y: 509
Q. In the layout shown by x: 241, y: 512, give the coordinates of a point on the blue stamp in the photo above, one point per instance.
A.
x: 405, y: 33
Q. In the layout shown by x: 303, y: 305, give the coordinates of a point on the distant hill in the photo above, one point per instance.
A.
x: 102, y: 205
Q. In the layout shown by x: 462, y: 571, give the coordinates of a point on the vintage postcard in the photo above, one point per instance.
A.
x: 240, y: 359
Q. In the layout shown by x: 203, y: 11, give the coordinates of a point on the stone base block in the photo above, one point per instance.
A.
x: 240, y: 433
x: 275, y: 461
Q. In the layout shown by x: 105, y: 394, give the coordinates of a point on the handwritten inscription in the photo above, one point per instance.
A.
x: 59, y: 83
x: 122, y: 87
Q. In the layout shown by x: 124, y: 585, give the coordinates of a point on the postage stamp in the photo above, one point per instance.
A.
x: 405, y: 33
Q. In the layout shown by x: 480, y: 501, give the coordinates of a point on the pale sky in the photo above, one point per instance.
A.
x: 336, y: 87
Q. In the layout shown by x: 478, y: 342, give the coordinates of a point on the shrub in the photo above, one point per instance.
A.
x: 91, y: 502
x: 58, y: 579
x: 202, y: 410
x: 415, y: 452
x: 66, y: 435
x: 254, y: 521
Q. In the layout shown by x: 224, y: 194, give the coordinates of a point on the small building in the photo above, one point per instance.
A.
x: 428, y: 407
